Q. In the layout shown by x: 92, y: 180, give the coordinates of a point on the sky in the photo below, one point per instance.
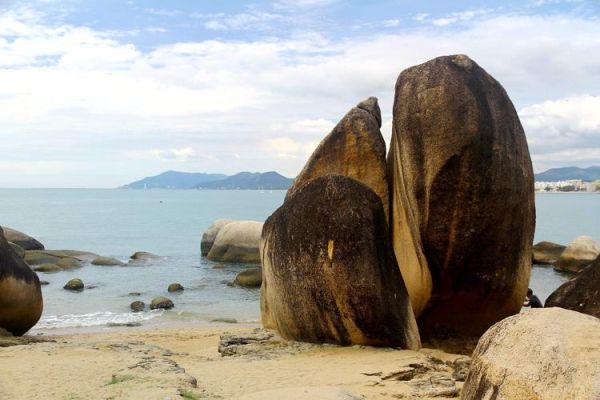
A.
x: 101, y: 93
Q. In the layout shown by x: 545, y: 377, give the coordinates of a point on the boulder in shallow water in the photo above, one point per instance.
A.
x: 175, y: 287
x: 251, y: 277
x: 545, y: 353
x: 18, y: 249
x: 354, y: 148
x: 107, y: 261
x: 21, y: 301
x: 462, y: 196
x: 137, y: 306
x: 69, y: 263
x: 75, y: 285
x: 237, y: 241
x: 329, y: 272
x: 38, y: 257
x: 208, y: 237
x: 580, y: 253
x: 161, y: 302
x: 46, y: 267
x: 547, y: 253
x: 581, y: 293
x: 21, y: 239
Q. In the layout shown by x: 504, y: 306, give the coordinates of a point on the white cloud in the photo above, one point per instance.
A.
x: 455, y: 17
x: 243, y: 21
x: 82, y: 96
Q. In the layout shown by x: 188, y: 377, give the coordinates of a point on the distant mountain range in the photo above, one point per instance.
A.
x: 191, y: 180
x: 567, y: 173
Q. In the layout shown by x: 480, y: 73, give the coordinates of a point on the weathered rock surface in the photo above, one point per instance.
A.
x: 175, y: 287
x: 161, y: 302
x: 251, y: 277
x: 21, y: 301
x: 137, y: 306
x: 75, y: 285
x: 329, y: 272
x: 144, y: 256
x: 47, y: 267
x: 38, y: 257
x: 546, y: 353
x: 237, y: 241
x: 208, y: 237
x: 354, y: 148
x: 581, y: 293
x: 107, y: 261
x: 580, y: 253
x: 18, y: 249
x: 21, y: 239
x: 69, y: 263
x: 547, y: 253
x: 462, y: 196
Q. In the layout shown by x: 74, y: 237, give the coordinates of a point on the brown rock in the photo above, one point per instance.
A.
x: 462, y: 196
x: 545, y: 353
x: 354, y: 148
x: 75, y: 285
x: 21, y: 301
x: 21, y: 239
x: 237, y: 241
x: 329, y: 272
x: 175, y: 287
x: 580, y: 253
x: 251, y: 277
x: 546, y: 252
x: 581, y: 293
x: 161, y: 302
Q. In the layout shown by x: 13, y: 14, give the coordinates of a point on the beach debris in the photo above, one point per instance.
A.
x: 107, y: 261
x: 161, y: 302
x: 175, y: 287
x: 75, y: 285
x: 251, y: 277
x: 581, y: 293
x: 225, y: 320
x: 125, y: 324
x: 259, y: 344
x: 137, y: 306
x: 544, y: 353
x: 325, y: 247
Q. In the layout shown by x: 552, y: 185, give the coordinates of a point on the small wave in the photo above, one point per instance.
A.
x: 93, y: 319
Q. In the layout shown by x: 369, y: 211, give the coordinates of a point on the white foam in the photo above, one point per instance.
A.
x: 93, y: 319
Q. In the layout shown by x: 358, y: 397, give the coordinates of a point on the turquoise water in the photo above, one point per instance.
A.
x: 170, y: 223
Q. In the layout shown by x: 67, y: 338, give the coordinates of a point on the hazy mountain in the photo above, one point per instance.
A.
x: 174, y: 180
x: 562, y: 174
x: 250, y: 180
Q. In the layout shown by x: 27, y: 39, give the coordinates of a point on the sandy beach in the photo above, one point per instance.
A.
x: 132, y: 363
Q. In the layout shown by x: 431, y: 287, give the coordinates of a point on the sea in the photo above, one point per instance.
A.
x: 170, y: 223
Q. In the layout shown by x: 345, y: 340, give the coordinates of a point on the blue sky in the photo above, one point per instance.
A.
x: 99, y: 93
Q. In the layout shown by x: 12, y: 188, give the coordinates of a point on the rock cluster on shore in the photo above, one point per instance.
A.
x: 461, y: 217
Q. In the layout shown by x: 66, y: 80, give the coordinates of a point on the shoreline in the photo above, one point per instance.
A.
x: 175, y: 363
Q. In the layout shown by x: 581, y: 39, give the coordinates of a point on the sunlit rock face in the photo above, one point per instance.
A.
x: 462, y: 196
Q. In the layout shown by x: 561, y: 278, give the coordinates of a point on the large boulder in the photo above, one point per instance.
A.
x: 581, y: 293
x: 18, y: 249
x: 545, y: 353
x: 354, y: 148
x: 237, y: 241
x: 580, y: 253
x: 546, y: 252
x: 208, y: 237
x: 25, y: 241
x: 462, y: 196
x: 21, y: 301
x: 329, y: 271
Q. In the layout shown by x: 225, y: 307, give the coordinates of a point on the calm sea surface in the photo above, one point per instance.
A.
x: 170, y: 223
